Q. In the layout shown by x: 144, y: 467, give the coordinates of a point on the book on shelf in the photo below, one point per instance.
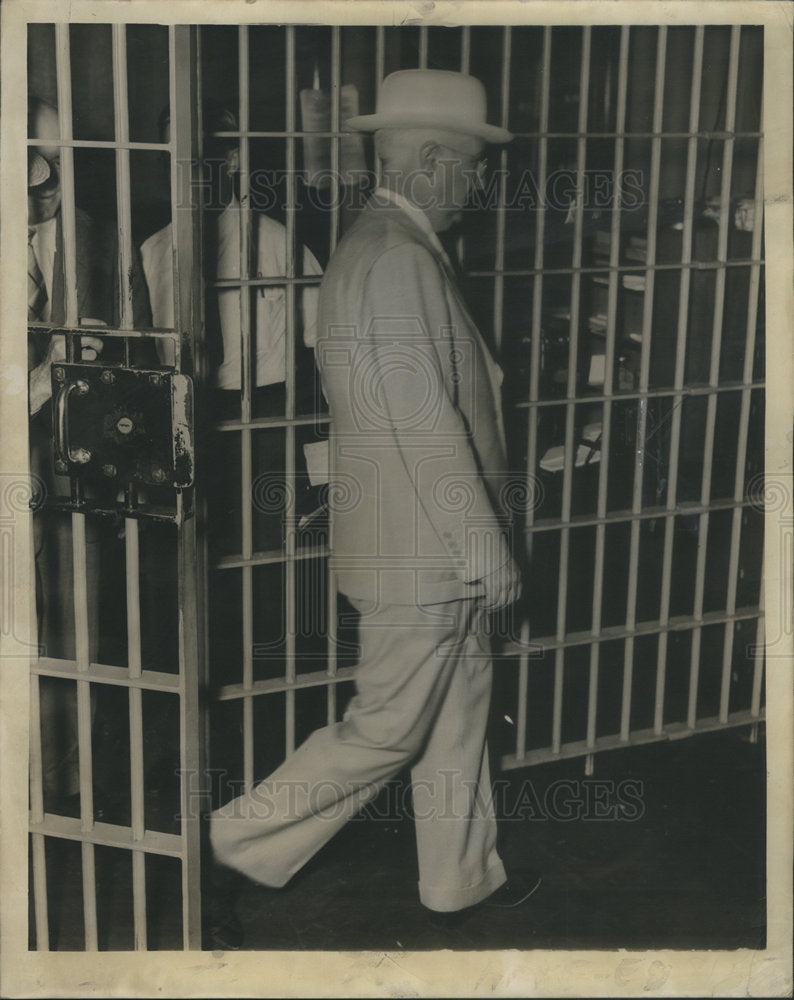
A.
x: 587, y: 452
x: 634, y: 282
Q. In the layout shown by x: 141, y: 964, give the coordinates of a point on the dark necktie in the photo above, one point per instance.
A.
x: 37, y: 290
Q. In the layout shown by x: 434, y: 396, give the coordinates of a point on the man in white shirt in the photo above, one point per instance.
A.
x: 223, y: 217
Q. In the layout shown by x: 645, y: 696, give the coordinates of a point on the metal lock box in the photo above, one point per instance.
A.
x: 124, y: 424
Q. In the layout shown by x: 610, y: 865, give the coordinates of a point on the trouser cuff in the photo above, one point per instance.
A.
x: 446, y: 900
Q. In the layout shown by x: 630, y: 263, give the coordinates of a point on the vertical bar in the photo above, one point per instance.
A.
x: 523, y: 693
x: 246, y: 384
x: 499, y: 262
x: 645, y: 360
x: 535, y: 340
x: 332, y: 650
x: 132, y: 550
x: 423, y: 47
x: 289, y: 471
x: 609, y: 365
x: 81, y: 629
x: 678, y: 378
x: 741, y: 451
x: 537, y: 281
x: 248, y: 677
x: 183, y: 40
x: 175, y: 193
x: 245, y: 234
x: 759, y: 653
x: 333, y: 624
x: 380, y: 57
x: 336, y: 88
x: 758, y: 666
x: 714, y: 368
x: 123, y: 198
x: 465, y: 59
x: 333, y: 611
x: 64, y: 83
x: 570, y: 406
x: 380, y: 61
x: 37, y: 816
x: 465, y: 48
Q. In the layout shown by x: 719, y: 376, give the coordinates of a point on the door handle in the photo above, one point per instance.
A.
x: 64, y: 454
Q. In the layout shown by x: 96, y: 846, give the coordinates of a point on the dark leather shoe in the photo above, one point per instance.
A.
x: 520, y: 885
x: 224, y: 934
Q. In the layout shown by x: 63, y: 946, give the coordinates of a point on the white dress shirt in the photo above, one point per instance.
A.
x: 268, y: 318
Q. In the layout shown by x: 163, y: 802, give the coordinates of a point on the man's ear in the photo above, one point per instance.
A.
x: 233, y: 160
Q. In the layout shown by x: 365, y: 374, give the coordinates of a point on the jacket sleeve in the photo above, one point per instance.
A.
x: 403, y: 379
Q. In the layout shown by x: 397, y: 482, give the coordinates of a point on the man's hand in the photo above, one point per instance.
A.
x: 40, y: 385
x: 502, y: 586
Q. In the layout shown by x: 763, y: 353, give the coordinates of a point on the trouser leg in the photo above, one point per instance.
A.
x: 408, y: 658
x: 451, y: 782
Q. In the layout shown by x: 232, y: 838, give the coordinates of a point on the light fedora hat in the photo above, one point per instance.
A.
x: 431, y: 98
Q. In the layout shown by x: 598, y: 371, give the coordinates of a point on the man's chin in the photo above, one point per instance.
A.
x: 42, y: 207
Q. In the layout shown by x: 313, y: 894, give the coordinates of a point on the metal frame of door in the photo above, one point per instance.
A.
x: 134, y: 677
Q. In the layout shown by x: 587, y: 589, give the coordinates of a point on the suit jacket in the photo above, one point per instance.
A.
x: 417, y: 444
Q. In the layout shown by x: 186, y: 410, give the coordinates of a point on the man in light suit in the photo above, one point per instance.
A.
x: 419, y: 541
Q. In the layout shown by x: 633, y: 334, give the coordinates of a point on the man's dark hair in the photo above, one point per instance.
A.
x: 216, y: 117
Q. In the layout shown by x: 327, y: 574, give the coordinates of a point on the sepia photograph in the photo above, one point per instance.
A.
x: 396, y: 504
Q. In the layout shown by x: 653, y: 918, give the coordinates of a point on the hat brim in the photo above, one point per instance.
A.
x: 371, y: 123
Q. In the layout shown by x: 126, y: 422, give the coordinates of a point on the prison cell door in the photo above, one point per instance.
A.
x: 123, y: 514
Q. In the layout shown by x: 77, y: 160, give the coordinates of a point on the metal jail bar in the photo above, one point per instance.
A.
x: 534, y: 383
x: 606, y: 412
x: 678, y: 378
x: 714, y: 368
x: 570, y: 409
x: 88, y: 831
x: 644, y: 375
x: 131, y: 536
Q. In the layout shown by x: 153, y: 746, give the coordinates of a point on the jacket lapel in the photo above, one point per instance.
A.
x: 399, y: 216
x: 495, y: 374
